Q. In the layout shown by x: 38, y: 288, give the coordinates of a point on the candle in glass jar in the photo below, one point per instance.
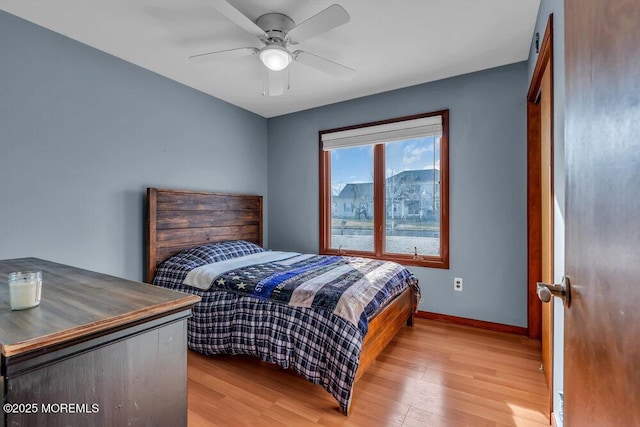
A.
x: 24, y: 289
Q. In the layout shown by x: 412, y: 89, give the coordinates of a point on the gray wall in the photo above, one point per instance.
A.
x: 82, y: 134
x: 487, y: 185
x: 556, y: 7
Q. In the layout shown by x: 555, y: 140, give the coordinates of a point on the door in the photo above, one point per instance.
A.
x: 540, y: 200
x: 602, y: 137
x: 546, y: 229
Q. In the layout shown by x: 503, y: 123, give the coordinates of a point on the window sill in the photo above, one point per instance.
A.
x: 410, y: 260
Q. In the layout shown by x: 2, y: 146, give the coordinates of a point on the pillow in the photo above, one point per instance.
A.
x: 175, y: 269
x: 221, y: 251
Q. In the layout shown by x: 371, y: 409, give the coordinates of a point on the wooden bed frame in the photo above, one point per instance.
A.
x: 178, y: 219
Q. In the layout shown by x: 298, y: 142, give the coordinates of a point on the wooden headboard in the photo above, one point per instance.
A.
x: 178, y: 220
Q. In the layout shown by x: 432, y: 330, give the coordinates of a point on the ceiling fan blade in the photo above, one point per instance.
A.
x: 277, y: 82
x: 328, y: 19
x: 212, y: 56
x: 323, y: 64
x: 237, y: 17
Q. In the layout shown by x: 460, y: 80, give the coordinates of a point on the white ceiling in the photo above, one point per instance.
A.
x: 390, y: 44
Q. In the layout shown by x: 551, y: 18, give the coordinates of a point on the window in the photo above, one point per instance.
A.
x: 384, y: 190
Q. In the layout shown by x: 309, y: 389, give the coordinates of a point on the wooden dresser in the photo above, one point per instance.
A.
x: 98, y: 350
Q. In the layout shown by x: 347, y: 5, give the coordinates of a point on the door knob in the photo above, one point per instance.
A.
x: 563, y: 290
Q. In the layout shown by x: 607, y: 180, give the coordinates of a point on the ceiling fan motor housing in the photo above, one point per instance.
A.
x: 276, y: 25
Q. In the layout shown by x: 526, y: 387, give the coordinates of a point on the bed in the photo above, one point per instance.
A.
x: 188, y: 225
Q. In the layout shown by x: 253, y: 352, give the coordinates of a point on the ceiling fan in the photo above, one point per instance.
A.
x: 276, y: 32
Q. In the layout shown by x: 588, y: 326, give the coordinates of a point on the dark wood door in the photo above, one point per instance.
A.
x: 602, y: 326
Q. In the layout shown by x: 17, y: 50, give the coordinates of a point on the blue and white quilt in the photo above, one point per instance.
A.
x: 304, y: 312
x: 342, y: 285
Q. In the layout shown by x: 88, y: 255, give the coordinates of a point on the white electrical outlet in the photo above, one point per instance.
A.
x: 457, y: 284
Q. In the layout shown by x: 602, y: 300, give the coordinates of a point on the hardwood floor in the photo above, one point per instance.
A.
x: 434, y: 374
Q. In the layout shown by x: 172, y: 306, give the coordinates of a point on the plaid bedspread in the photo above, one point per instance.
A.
x: 322, y: 346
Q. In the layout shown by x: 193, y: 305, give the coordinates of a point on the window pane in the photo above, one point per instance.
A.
x: 352, y: 198
x: 412, y: 193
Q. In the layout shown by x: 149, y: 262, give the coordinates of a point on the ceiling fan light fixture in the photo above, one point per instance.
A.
x: 275, y: 57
